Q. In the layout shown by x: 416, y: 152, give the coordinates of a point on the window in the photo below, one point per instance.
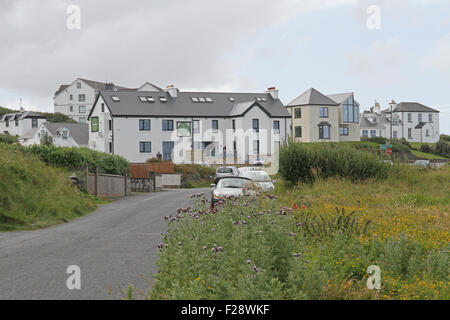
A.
x: 255, y: 146
x: 324, y: 112
x: 430, y: 118
x: 7, y: 123
x: 215, y: 125
x: 71, y: 97
x: 409, y: 133
x: 94, y: 124
x: 394, y: 134
x: 78, y: 85
x: 297, y: 113
x: 420, y: 117
x: 394, y: 121
x: 110, y: 125
x: 115, y: 98
x: 380, y: 134
x: 145, y: 147
x: 365, y: 133
x: 196, y: 126
x: 81, y: 109
x: 298, y: 132
x: 409, y: 117
x: 34, y: 122
x: 255, y: 125
x: 82, y: 120
x: 343, y: 131
x: 81, y: 97
x: 427, y: 133
x: 324, y: 131
x: 373, y: 133
x: 110, y: 147
x: 276, y: 126
x: 103, y: 107
x: 167, y: 125
x: 233, y: 124
x: 16, y: 122
x: 144, y: 125
x: 350, y: 111
x: 71, y: 109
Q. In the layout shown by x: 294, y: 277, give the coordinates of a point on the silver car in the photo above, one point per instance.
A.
x: 229, y: 187
x: 260, y: 179
x: 225, y: 172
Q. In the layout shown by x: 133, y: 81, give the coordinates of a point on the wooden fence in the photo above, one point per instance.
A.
x: 143, y: 170
x: 108, y: 185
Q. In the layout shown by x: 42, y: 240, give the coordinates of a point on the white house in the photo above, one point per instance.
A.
x: 62, y: 134
x: 320, y: 118
x: 20, y: 124
x: 76, y: 99
x: 188, y: 127
x: 410, y: 120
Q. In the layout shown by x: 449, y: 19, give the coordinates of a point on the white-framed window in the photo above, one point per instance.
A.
x: 167, y: 125
x: 78, y: 85
x: 394, y: 134
x: 430, y: 118
x: 409, y: 133
x: 215, y: 125
x: 196, y: 125
x: 82, y: 120
x: 427, y: 133
x: 365, y: 133
x: 145, y: 125
x: 34, y: 122
x: 82, y: 97
x: 255, y: 146
x: 276, y: 126
x: 255, y: 125
x: 420, y: 117
x: 409, y: 117
x: 81, y: 109
x: 373, y: 133
x: 145, y: 147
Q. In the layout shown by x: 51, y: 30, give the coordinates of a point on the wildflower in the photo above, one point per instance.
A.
x: 213, y: 230
x: 303, y: 207
x: 204, y: 247
x: 295, y: 206
x: 249, y: 261
x: 179, y: 243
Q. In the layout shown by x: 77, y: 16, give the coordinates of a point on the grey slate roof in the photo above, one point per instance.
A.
x: 413, y: 107
x: 96, y: 85
x: 20, y: 116
x: 183, y: 106
x: 80, y: 132
x: 314, y: 98
x: 340, y: 97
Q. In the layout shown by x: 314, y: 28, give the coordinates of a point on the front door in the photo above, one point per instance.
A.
x: 167, y: 150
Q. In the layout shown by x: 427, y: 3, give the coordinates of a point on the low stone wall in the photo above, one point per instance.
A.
x: 171, y: 180
x: 142, y: 185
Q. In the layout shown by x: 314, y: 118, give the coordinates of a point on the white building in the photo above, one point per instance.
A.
x: 76, y: 99
x: 62, y: 134
x: 410, y: 120
x: 21, y: 123
x: 182, y: 126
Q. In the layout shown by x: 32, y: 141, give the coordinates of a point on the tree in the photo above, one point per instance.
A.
x: 46, y: 139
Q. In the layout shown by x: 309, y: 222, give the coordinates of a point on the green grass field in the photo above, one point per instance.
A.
x: 314, y: 241
x: 427, y: 156
x: 34, y: 195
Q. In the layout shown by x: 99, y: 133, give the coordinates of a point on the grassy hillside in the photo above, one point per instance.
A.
x: 34, y: 195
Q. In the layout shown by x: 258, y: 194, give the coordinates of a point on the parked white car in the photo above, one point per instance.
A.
x: 259, y: 177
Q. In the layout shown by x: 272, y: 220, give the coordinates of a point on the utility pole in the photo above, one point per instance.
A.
x: 392, y: 116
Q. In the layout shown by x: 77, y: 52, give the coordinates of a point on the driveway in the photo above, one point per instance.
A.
x: 113, y: 246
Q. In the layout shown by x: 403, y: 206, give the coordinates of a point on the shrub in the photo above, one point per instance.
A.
x: 426, y: 148
x: 442, y: 148
x: 406, y: 143
x: 301, y: 162
x: 79, y: 158
x: 8, y: 139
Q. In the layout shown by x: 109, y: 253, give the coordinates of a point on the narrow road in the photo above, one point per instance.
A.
x: 114, y: 246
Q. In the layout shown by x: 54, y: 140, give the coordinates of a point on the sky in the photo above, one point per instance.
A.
x: 378, y: 49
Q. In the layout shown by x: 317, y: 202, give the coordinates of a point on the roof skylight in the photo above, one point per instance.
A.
x: 143, y: 99
x: 162, y: 99
x: 115, y: 98
x: 209, y: 99
x: 201, y: 99
x: 150, y: 99
x: 231, y: 99
x: 194, y: 99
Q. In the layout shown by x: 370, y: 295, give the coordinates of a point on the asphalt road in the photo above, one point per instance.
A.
x: 113, y: 246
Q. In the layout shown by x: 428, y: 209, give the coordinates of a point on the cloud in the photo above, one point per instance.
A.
x: 380, y: 61
x: 181, y: 42
x: 438, y: 58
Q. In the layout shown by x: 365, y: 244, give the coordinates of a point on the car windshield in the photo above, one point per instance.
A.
x: 233, y: 183
x: 257, y: 176
x: 224, y: 170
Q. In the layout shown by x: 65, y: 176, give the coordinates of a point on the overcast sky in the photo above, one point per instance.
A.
x: 230, y: 45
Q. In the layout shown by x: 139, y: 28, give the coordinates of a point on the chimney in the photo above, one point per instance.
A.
x: 377, y: 108
x: 273, y: 92
x: 173, y: 92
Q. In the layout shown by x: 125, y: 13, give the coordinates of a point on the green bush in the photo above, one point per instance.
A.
x: 426, y: 148
x: 442, y: 148
x: 301, y: 162
x: 8, y: 139
x: 79, y: 158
